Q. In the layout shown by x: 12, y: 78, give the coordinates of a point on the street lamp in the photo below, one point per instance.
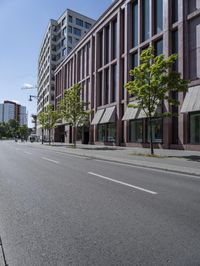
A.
x: 31, y: 87
x: 32, y: 96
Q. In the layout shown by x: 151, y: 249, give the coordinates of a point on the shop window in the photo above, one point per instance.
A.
x: 101, y: 133
x: 157, y: 130
x: 111, y: 132
x: 79, y: 133
x: 106, y: 132
x: 195, y: 128
x: 136, y: 131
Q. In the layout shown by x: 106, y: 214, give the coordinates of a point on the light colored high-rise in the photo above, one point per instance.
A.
x: 10, y: 110
x: 60, y: 38
x: 1, y: 112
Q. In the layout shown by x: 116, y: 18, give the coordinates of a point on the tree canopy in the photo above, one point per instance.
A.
x: 153, y: 83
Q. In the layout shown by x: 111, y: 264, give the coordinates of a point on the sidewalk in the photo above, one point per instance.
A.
x: 186, y: 162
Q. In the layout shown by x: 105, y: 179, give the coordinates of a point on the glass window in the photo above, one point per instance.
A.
x: 77, y: 32
x: 107, y: 43
x: 101, y: 53
x: 63, y: 42
x: 87, y: 25
x: 100, y: 96
x: 157, y: 130
x: 107, y: 87
x: 175, y: 48
x: 79, y: 133
x: 70, y: 39
x: 69, y: 29
x: 64, y: 52
x: 174, y: 11
x: 79, y: 22
x: 114, y: 83
x: 146, y: 19
x: 111, y: 132
x: 106, y: 132
x: 158, y: 16
x: 192, y: 5
x: 70, y: 19
x: 195, y: 128
x: 134, y: 60
x: 64, y: 31
x: 135, y: 23
x: 69, y: 49
x: 136, y: 131
x: 63, y: 21
x: 114, y: 46
x: 101, y: 133
x: 158, y: 47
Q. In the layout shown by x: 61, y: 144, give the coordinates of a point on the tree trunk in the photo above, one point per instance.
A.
x: 74, y: 136
x: 42, y: 135
x: 49, y: 137
x: 151, y: 136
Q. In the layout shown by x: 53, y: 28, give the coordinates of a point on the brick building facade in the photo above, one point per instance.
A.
x: 101, y: 64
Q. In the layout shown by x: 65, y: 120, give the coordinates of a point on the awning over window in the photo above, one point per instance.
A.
x: 192, y: 100
x: 130, y: 113
x: 108, y: 116
x: 143, y: 115
x: 97, y: 117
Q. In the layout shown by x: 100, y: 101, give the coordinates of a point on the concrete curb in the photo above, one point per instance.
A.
x: 146, y: 165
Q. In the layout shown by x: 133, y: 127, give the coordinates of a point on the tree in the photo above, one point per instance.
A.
x: 2, y: 130
x: 153, y: 83
x: 72, y: 109
x: 13, y: 128
x: 24, y: 132
x: 48, y: 119
x: 42, y: 118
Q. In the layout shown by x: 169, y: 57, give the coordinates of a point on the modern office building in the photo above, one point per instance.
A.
x: 1, y: 112
x: 10, y: 110
x: 103, y: 58
x: 60, y: 38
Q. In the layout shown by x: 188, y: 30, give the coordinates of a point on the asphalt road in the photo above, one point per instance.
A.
x: 58, y: 209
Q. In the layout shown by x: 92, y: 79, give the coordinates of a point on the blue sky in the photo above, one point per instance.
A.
x: 23, y: 24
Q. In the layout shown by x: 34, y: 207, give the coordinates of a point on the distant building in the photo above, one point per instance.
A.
x: 11, y: 110
x: 60, y: 38
x: 1, y: 112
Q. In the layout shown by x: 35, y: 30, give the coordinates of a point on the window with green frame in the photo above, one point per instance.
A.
x: 195, y: 128
x: 136, y: 131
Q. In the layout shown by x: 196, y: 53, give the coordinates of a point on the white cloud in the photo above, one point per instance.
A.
x: 27, y: 86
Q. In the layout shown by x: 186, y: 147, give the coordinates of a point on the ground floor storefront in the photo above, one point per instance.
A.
x: 120, y: 125
x: 136, y: 133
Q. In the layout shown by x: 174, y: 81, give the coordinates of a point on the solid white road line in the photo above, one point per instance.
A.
x: 123, y: 183
x: 47, y: 159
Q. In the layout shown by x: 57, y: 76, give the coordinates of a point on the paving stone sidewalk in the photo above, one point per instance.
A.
x: 187, y: 162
